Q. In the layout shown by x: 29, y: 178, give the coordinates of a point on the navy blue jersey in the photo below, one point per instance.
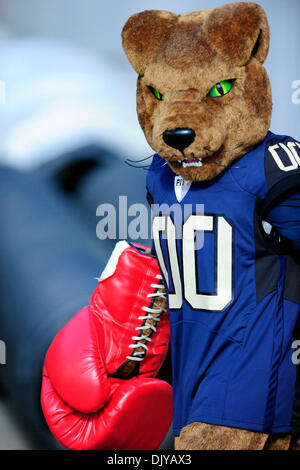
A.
x: 233, y: 289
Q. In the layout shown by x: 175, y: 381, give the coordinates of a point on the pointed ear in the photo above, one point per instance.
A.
x: 239, y: 31
x: 142, y: 34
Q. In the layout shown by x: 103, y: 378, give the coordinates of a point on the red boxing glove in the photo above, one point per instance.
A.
x: 98, y: 389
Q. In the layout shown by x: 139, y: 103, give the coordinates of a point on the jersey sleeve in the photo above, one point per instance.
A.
x: 282, y: 170
x: 285, y: 217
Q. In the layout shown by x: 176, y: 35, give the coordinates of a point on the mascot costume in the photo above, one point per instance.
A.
x: 224, y: 269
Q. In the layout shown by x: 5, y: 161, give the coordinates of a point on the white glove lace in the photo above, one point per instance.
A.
x: 152, y: 314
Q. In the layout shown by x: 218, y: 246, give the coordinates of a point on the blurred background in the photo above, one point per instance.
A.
x: 66, y: 127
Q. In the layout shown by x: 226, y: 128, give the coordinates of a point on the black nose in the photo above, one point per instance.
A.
x: 179, y: 138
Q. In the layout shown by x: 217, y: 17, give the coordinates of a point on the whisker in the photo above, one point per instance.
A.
x: 135, y: 166
x: 217, y: 163
x: 138, y: 161
x: 157, y: 167
x: 135, y: 163
x: 147, y: 167
x: 223, y: 151
x: 224, y: 166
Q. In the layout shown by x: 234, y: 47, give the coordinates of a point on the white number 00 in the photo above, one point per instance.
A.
x: 224, y: 257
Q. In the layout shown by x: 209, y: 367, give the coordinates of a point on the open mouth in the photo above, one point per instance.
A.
x: 189, y: 163
x: 214, y: 158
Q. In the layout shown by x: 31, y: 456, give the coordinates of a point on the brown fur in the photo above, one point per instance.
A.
x: 202, y: 436
x: 183, y: 56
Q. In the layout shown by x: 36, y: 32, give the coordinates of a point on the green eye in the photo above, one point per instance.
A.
x: 157, y: 94
x: 221, y: 89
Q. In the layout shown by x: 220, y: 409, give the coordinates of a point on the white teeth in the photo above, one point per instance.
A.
x: 186, y: 164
